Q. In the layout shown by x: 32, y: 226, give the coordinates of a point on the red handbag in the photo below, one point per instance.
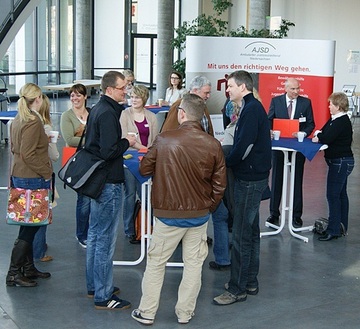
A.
x: 67, y: 153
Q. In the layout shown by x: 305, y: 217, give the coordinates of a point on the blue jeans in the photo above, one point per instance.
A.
x: 132, y: 187
x: 39, y: 243
x: 336, y: 194
x: 221, y: 235
x: 27, y: 233
x: 82, y: 216
x: 103, y: 230
x: 245, y: 253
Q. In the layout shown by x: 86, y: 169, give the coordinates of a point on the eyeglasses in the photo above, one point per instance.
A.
x: 180, y: 108
x: 120, y: 88
x: 175, y: 78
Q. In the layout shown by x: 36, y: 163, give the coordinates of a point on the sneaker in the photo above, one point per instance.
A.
x: 91, y: 293
x: 82, y: 243
x: 185, y: 320
x: 249, y: 291
x: 114, y: 303
x: 273, y: 220
x: 228, y: 298
x: 217, y: 267
x: 136, y: 315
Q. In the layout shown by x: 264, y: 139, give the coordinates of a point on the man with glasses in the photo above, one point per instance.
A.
x: 189, y: 179
x: 103, y: 138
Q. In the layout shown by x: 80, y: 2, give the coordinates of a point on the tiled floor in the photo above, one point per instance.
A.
x: 302, y: 285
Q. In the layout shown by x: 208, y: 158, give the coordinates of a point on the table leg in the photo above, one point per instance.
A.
x: 145, y: 197
x: 287, y: 206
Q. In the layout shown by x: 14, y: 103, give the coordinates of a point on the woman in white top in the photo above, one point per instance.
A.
x: 175, y: 90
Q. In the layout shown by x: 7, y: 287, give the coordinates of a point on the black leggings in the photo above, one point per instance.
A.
x: 27, y: 233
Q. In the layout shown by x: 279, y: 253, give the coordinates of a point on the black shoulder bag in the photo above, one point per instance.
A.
x: 84, y: 172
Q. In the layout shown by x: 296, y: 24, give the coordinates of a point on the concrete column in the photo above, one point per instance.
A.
x: 83, y: 62
x: 164, y: 51
x: 257, y: 12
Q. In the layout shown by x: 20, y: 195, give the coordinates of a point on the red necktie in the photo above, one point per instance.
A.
x: 290, y: 109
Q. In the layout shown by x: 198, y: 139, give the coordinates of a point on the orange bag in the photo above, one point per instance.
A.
x: 137, y: 219
x: 67, y: 152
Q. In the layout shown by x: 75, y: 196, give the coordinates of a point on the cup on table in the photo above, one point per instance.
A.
x: 300, y: 136
x: 54, y: 136
x: 276, y: 134
x: 160, y: 102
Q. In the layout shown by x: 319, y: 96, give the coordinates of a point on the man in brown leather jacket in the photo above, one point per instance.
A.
x: 189, y: 179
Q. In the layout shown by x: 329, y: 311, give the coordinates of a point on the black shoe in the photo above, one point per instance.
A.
x: 297, y: 222
x: 114, y: 303
x: 133, y: 240
x: 252, y: 291
x: 209, y: 241
x: 273, y: 220
x: 328, y: 237
x: 217, y: 267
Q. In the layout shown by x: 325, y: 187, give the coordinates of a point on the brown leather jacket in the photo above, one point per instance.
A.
x: 171, y: 121
x: 189, y: 173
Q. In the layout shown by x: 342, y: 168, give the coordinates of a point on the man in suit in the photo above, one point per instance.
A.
x: 289, y: 106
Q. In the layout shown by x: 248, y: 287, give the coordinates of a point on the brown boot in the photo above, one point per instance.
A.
x: 30, y: 271
x: 18, y: 259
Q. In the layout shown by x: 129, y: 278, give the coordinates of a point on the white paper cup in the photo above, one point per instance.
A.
x: 54, y: 136
x: 276, y: 134
x: 160, y: 101
x: 300, y: 136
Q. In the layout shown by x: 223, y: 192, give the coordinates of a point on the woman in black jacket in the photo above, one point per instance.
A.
x: 337, y: 134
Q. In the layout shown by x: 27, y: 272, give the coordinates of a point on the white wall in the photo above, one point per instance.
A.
x: 109, y: 35
x: 326, y: 20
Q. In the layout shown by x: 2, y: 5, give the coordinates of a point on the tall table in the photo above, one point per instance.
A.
x: 133, y: 165
x: 309, y: 150
x: 146, y: 216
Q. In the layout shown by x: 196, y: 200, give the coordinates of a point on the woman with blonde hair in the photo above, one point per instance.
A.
x: 31, y: 169
x: 143, y: 124
x: 337, y: 133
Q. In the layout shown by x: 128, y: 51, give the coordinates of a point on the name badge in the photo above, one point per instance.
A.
x: 302, y: 119
x: 146, y: 125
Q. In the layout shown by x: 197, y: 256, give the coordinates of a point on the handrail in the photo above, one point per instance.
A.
x: 17, y: 7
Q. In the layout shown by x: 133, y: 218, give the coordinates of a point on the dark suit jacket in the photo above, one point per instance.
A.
x: 278, y: 109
